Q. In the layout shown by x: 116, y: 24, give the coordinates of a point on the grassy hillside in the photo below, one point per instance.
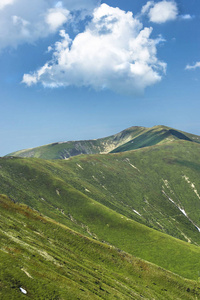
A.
x: 50, y: 261
x: 101, y: 196
x: 63, y: 150
x: 157, y: 186
x: 156, y: 135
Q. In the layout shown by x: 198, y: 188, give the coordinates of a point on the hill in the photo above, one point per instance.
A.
x: 43, y: 259
x: 132, y: 138
x: 111, y: 197
x: 110, y: 225
x: 63, y: 150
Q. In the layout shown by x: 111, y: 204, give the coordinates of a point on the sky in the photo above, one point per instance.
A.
x: 85, y: 69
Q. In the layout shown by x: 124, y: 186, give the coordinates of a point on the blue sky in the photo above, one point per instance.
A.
x: 80, y: 69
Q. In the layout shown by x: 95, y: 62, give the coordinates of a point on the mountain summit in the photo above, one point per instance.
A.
x: 129, y: 139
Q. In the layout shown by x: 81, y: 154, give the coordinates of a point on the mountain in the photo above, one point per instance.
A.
x: 129, y: 139
x: 63, y: 150
x: 120, y: 225
x: 128, y: 199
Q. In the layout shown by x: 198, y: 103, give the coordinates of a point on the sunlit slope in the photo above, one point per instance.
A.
x: 158, y: 186
x: 50, y: 261
x: 129, y: 139
x: 64, y: 150
x: 47, y: 187
x: 156, y: 135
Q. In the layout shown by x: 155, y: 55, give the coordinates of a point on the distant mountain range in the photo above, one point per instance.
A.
x: 129, y: 139
x: 120, y: 223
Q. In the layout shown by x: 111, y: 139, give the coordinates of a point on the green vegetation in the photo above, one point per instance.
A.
x: 92, y: 222
x: 50, y: 261
x: 129, y: 139
x: 98, y: 195
x: 63, y: 150
x: 156, y: 135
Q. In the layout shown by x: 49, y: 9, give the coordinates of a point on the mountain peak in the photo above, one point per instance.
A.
x: 132, y: 138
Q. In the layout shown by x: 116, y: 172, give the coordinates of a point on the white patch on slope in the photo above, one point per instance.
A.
x: 128, y: 160
x: 80, y: 167
x: 27, y: 273
x: 135, y: 211
x: 181, y: 209
x: 23, y: 290
x: 192, y: 185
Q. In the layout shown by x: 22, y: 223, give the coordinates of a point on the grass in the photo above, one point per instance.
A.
x: 72, y: 148
x: 129, y: 139
x: 51, y: 261
x: 117, y: 185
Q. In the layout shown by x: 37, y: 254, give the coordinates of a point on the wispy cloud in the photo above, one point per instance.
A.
x: 186, y: 17
x: 23, y: 21
x: 193, y: 67
x: 114, y: 52
x: 4, y: 3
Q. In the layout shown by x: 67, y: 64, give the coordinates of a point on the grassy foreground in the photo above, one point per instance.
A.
x: 50, y: 261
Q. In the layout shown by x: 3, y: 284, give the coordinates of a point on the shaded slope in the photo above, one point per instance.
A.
x: 47, y: 187
x: 50, y: 261
x: 154, y: 136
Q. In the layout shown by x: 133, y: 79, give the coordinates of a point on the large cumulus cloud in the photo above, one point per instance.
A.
x: 114, y: 52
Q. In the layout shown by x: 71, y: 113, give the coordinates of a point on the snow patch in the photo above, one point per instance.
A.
x: 197, y: 228
x: 182, y: 210
x: 135, y: 211
x: 169, y: 198
x: 23, y: 290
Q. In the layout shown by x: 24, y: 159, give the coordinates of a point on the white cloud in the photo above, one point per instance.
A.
x: 160, y: 12
x: 114, y: 52
x: 4, y: 3
x: 193, y: 67
x: 186, y: 17
x: 56, y: 17
x: 23, y: 21
x: 146, y: 7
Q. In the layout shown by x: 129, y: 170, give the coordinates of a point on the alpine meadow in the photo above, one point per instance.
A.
x: 97, y: 200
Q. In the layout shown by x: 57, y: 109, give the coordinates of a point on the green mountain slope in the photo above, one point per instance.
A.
x: 129, y: 139
x: 156, y: 135
x: 103, y: 196
x: 51, y: 262
x: 157, y: 186
x: 63, y: 150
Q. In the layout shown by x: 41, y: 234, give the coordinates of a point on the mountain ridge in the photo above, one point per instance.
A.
x: 129, y: 139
